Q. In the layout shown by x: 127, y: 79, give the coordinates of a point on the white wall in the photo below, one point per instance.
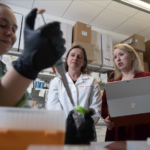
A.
x: 117, y: 38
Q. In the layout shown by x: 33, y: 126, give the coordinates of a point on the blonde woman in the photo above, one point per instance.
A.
x: 127, y: 66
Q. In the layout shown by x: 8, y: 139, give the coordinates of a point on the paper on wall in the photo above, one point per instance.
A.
x: 96, y: 40
x: 67, y: 35
x: 107, y: 48
x: 42, y: 92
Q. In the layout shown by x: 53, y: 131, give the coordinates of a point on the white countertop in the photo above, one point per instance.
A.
x: 95, y: 146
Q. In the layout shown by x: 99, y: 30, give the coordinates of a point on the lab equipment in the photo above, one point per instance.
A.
x: 21, y: 127
x: 41, y: 84
x: 60, y: 67
x: 62, y: 72
x: 37, y: 83
x: 78, y: 115
x: 41, y: 11
x: 80, y: 135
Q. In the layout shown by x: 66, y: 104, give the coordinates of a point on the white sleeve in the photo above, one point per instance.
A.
x: 96, y: 101
x: 53, y: 102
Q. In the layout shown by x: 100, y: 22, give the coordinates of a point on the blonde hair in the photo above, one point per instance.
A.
x: 137, y: 67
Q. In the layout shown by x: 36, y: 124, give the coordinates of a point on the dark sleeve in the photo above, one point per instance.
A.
x: 104, y: 105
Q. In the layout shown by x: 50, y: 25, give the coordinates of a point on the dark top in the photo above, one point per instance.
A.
x: 74, y: 81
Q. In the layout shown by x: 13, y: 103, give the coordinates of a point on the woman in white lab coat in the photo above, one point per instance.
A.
x: 84, y: 88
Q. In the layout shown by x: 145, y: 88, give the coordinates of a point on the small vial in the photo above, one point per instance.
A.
x: 41, y: 84
x: 37, y: 83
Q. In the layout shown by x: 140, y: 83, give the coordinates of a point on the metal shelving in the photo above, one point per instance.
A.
x: 15, y: 53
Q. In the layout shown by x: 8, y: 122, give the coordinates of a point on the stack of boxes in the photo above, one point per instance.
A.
x: 97, y: 46
x: 82, y: 37
x: 138, y: 43
x: 147, y: 56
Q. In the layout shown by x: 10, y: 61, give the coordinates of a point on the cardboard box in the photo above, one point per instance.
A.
x: 140, y: 54
x: 96, y: 41
x: 136, y: 41
x: 89, y: 48
x: 147, y: 49
x: 82, y: 32
x: 107, y: 48
x: 146, y: 67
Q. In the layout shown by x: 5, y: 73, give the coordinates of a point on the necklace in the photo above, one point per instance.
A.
x: 131, y: 77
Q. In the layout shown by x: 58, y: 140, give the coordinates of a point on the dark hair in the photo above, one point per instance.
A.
x: 85, y: 58
x: 4, y: 5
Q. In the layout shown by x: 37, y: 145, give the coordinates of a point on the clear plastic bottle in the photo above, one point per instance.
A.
x: 45, y: 85
x: 78, y: 115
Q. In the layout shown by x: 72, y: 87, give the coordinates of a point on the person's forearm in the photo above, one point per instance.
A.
x: 12, y: 87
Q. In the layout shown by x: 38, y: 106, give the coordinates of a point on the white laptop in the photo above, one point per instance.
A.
x: 128, y: 97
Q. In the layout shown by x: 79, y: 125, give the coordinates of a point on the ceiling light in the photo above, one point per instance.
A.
x: 143, y: 5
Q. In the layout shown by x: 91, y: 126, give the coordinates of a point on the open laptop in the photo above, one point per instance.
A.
x: 130, y: 97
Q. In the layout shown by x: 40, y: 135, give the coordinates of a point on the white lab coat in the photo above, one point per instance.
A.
x: 85, y: 92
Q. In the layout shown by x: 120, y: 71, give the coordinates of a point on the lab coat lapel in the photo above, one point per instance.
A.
x: 81, y: 79
x: 69, y: 78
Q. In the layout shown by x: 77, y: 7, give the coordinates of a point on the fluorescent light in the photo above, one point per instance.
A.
x: 138, y: 4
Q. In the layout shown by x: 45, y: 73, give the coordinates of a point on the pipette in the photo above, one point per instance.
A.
x: 59, y: 65
x: 41, y: 11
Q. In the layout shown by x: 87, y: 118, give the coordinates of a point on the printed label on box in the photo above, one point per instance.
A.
x: 128, y: 41
x: 88, y: 26
x: 107, y: 50
x: 136, y: 40
x: 84, y: 33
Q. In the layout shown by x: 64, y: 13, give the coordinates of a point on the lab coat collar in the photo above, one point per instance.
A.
x: 80, y: 79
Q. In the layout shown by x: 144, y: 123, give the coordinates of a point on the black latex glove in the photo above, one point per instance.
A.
x: 85, y: 132
x: 43, y: 47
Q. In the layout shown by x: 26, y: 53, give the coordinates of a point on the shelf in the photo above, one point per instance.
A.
x: 105, y: 69
x: 15, y: 53
x: 46, y: 75
x: 93, y: 67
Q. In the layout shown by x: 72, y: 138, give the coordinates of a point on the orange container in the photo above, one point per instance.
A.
x: 20, y: 140
x: 20, y: 127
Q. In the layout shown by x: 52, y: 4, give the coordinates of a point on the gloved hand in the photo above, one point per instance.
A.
x: 43, y: 47
x: 84, y: 133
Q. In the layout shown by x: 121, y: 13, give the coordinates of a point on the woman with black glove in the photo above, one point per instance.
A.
x: 86, y: 131
x: 43, y: 47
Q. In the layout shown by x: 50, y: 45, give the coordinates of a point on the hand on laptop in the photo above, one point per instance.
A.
x: 109, y: 124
